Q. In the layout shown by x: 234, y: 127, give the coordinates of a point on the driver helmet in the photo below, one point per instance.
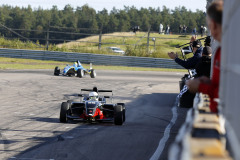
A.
x: 93, y: 96
x: 78, y: 63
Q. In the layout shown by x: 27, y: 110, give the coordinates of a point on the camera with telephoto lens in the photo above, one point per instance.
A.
x: 207, y: 41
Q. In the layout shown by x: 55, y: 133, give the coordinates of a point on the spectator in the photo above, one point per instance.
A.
x: 201, y: 31
x: 160, y: 28
x: 184, y: 29
x: 203, y: 67
x: 194, y: 31
x: 191, y: 62
x: 180, y: 29
x: 204, y: 84
x: 207, y: 41
x: 167, y: 29
x: 205, y: 30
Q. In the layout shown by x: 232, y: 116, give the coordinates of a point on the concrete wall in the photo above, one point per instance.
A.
x: 230, y: 72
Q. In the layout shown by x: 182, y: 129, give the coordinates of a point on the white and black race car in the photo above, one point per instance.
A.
x: 93, y: 108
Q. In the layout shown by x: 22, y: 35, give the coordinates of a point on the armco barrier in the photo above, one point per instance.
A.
x: 97, y: 59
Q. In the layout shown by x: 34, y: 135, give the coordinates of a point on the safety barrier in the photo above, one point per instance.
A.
x: 97, y: 59
x: 202, y: 136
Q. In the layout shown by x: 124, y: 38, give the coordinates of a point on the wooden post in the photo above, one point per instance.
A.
x: 100, y: 40
x: 47, y: 39
x: 154, y: 44
x: 148, y: 39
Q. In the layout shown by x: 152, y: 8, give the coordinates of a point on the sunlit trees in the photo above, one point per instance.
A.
x: 86, y: 17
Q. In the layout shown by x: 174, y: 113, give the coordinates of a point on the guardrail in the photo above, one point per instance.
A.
x: 97, y: 59
x: 203, y: 135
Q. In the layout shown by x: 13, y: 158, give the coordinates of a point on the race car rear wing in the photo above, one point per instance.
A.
x: 91, y: 90
x: 82, y: 95
x: 96, y: 90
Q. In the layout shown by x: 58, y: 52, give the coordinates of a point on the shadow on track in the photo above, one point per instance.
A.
x: 146, y: 118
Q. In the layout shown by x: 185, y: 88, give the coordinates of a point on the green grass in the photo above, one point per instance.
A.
x: 15, y: 63
x: 17, y: 44
x: 164, y: 44
x: 135, y: 45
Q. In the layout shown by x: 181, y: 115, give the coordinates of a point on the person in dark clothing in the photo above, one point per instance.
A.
x: 190, y: 63
x: 203, y: 67
x: 207, y: 41
x: 185, y: 97
x: 201, y: 31
x: 184, y: 29
x: 180, y: 29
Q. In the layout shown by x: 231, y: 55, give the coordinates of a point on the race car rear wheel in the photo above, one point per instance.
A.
x: 64, y: 112
x: 93, y: 73
x: 56, y: 71
x: 118, y: 115
x: 80, y: 73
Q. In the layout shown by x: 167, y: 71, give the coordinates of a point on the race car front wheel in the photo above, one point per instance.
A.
x: 93, y: 73
x: 80, y: 73
x: 56, y: 71
x: 64, y: 112
x: 118, y: 115
x: 123, y: 110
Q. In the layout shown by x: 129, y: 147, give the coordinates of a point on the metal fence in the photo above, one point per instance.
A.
x: 97, y: 59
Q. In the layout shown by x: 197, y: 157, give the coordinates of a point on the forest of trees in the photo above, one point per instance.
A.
x: 31, y: 22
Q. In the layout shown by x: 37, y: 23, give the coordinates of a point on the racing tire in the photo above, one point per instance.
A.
x: 69, y: 101
x: 124, y: 110
x: 64, y: 112
x: 56, y: 71
x: 93, y: 73
x: 80, y: 73
x: 70, y: 74
x: 118, y: 115
x: 70, y: 105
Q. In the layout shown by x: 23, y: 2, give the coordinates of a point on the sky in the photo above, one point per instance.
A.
x: 98, y: 5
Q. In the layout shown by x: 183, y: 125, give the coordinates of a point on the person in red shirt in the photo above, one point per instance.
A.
x: 204, y: 84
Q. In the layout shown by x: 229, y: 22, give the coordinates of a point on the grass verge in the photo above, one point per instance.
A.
x: 16, y: 63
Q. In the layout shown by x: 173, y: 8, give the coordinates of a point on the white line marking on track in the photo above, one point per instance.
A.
x: 165, y: 137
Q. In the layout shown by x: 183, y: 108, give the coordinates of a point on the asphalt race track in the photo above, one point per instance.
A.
x: 29, y: 116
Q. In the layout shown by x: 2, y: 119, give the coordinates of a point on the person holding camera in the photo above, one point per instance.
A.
x: 185, y: 97
x: 203, y: 67
x: 190, y: 63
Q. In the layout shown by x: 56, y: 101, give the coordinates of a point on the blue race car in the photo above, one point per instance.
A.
x: 75, y: 70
